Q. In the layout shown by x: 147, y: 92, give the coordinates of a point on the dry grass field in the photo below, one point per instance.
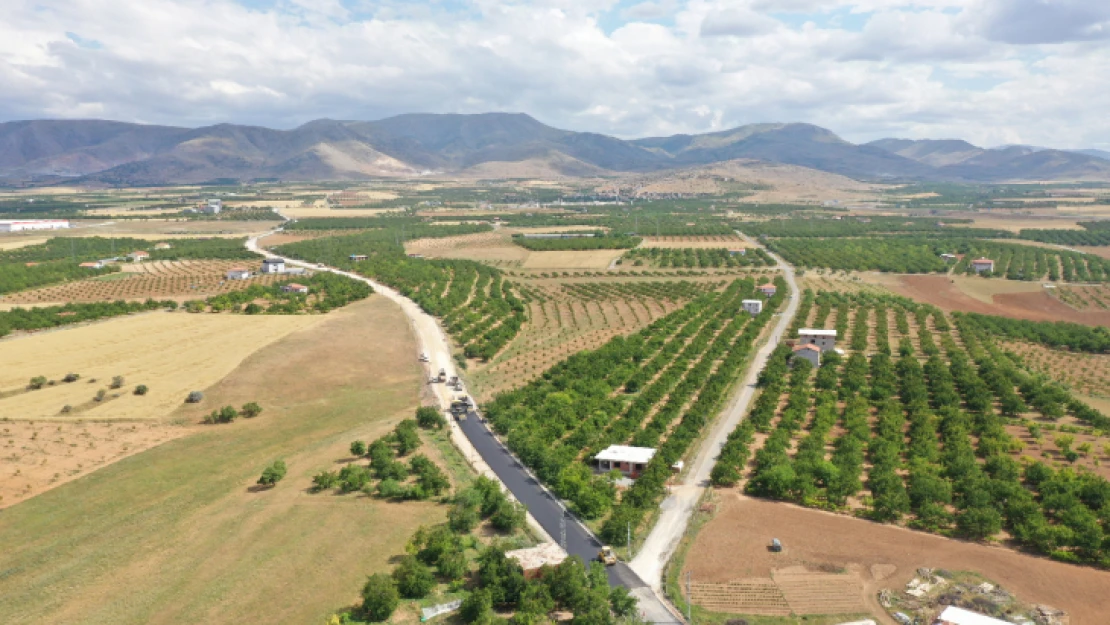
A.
x: 171, y: 353
x: 592, y: 259
x: 733, y: 546
x: 177, y: 535
x: 184, y: 279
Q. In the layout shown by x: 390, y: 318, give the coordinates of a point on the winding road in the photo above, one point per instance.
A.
x: 546, y: 513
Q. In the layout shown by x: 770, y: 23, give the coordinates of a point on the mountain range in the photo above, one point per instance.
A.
x: 487, y: 145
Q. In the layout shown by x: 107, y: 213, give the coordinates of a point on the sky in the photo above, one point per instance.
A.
x: 992, y: 72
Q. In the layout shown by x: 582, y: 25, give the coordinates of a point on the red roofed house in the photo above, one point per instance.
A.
x: 979, y: 265
x: 811, y: 353
x: 295, y: 288
x: 767, y: 289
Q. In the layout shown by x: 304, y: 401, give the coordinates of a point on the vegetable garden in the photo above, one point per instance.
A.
x: 921, y: 432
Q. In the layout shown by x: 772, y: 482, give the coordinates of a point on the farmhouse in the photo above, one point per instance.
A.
x: 357, y: 257
x: 163, y: 246
x: 21, y: 225
x: 273, y: 265
x: 630, y: 461
x: 767, y: 289
x: 979, y: 265
x: 139, y: 256
x: 95, y: 265
x: 213, y: 207
x: 808, y: 352
x: 238, y: 273
x: 295, y: 288
x: 953, y: 615
x: 825, y: 340
x: 754, y: 306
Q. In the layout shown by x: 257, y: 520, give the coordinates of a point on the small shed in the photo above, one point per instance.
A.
x: 808, y: 352
x: 767, y: 289
x: 294, y: 288
x: 273, y: 265
x: 630, y: 461
x: 979, y: 265
x: 238, y: 273
x: 533, y: 559
x: 753, y: 306
x: 139, y: 256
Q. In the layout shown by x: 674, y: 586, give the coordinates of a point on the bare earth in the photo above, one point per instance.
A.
x: 734, y: 546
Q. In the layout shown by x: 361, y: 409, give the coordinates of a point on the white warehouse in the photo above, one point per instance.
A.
x: 21, y: 225
x: 825, y: 340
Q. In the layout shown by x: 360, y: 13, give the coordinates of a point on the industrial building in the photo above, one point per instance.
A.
x: 23, y: 225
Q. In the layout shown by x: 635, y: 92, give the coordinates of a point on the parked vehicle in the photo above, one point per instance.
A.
x: 423, y: 357
x: 606, y: 556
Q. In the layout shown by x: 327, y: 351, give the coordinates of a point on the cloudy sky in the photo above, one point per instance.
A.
x: 990, y: 71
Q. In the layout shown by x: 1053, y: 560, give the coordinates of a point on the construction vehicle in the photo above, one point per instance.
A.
x: 432, y: 379
x: 423, y: 356
x: 460, y: 406
x: 442, y: 375
x: 607, y: 556
x: 453, y: 381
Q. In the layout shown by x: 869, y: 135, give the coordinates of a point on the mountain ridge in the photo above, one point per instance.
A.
x: 121, y: 153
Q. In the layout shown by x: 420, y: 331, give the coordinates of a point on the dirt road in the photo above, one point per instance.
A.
x: 677, y: 508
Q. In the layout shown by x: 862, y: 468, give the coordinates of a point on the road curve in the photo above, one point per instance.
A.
x: 483, y: 450
x: 676, y: 509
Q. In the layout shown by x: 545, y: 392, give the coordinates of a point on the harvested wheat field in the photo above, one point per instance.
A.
x: 171, y: 353
x: 733, y: 546
x: 495, y: 247
x: 592, y: 259
x: 161, y: 279
x: 177, y: 534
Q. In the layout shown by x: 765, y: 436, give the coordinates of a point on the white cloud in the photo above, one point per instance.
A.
x: 919, y: 68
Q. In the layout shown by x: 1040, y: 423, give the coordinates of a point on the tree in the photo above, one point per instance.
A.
x: 429, y: 418
x: 463, y: 517
x: 477, y: 606
x: 273, y: 474
x: 379, y: 597
x: 251, y: 410
x: 979, y: 523
x: 117, y: 381
x: 622, y: 603
x: 325, y: 480
x: 414, y: 580
x: 407, y: 438
x: 358, y: 448
x: 353, y: 477
x: 509, y: 516
x: 141, y: 389
x: 37, y: 382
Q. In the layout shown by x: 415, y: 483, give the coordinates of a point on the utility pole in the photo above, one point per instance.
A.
x: 629, y: 524
x: 689, y: 601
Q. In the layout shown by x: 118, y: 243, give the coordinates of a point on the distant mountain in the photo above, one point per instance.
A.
x: 485, y: 145
x: 959, y: 160
x: 1103, y: 154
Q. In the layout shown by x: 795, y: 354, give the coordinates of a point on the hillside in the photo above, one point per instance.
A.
x: 485, y: 145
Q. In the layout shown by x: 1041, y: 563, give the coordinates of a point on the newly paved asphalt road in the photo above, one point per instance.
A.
x: 543, y: 506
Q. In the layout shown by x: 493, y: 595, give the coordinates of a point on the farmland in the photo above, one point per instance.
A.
x: 179, y: 526
x: 930, y: 419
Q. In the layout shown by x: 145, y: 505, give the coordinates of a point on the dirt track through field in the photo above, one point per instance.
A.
x: 733, y: 546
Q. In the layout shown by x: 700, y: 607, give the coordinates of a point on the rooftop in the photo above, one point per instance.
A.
x: 624, y: 453
x: 802, y: 348
x: 816, y: 332
x: 982, y: 260
x: 273, y: 261
x: 753, y: 301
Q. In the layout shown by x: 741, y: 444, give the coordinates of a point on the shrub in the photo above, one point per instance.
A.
x: 414, y: 580
x: 429, y: 418
x: 273, y: 474
x: 117, y: 382
x: 477, y: 606
x: 100, y: 395
x: 509, y: 516
x: 141, y: 389
x: 194, y: 397
x: 379, y: 597
x: 67, y: 408
x: 250, y: 410
x: 358, y: 448
x: 406, y: 436
x: 71, y: 377
x: 37, y: 382
x: 353, y: 477
x: 325, y: 480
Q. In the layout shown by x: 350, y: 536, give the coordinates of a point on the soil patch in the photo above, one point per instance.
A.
x: 1036, y: 306
x: 733, y: 546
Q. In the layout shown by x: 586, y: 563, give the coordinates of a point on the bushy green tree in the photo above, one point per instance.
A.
x: 414, y: 580
x: 430, y: 418
x: 379, y: 597
x: 358, y: 448
x: 273, y: 474
x: 250, y: 410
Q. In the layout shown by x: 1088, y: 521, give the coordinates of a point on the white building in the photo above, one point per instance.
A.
x: 22, y: 225
x: 630, y: 461
x: 238, y: 273
x: 979, y: 265
x: 953, y: 615
x: 810, y: 353
x: 273, y: 265
x: 754, y: 306
x: 213, y: 207
x: 139, y: 256
x: 948, y: 258
x: 825, y: 340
